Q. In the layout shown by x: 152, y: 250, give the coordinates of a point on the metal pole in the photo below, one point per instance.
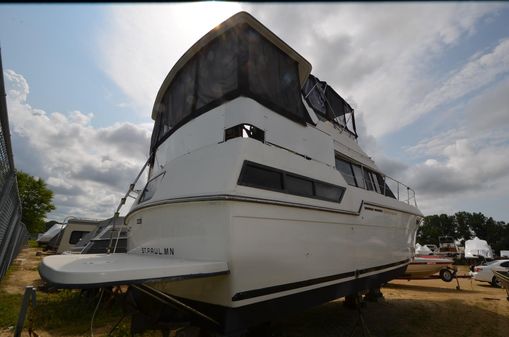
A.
x: 27, y: 297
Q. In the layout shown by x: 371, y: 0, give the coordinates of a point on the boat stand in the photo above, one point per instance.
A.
x: 355, y: 302
x: 152, y: 309
x: 29, y: 302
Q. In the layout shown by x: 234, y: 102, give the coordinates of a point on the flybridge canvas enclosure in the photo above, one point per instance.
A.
x: 328, y: 104
x: 241, y: 61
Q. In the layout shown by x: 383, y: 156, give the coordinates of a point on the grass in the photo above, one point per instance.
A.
x: 63, y: 313
x: 33, y: 244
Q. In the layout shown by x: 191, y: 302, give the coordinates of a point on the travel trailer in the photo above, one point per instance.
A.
x: 75, y: 230
x: 259, y: 199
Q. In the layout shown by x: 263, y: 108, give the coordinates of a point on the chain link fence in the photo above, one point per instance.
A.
x: 13, y: 233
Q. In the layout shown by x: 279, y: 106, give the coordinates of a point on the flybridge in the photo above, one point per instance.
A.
x: 243, y: 58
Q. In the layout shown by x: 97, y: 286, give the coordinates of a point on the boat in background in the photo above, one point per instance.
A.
x: 51, y: 238
x: 259, y: 199
x: 424, y: 266
x: 448, y: 247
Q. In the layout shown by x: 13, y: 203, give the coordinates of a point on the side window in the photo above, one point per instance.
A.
x: 76, y: 236
x: 374, y: 179
x: 505, y: 264
x: 346, y: 170
x: 260, y: 176
x: 150, y: 187
x: 256, y: 176
x: 367, y: 180
x: 297, y: 185
x: 359, y: 178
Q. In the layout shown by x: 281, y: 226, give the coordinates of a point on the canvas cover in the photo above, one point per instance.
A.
x: 328, y: 104
x: 51, y: 233
x: 239, y: 62
x: 422, y: 250
x: 477, y: 248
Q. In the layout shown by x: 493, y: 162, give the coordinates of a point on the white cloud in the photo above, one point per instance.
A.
x: 465, y: 166
x: 87, y: 168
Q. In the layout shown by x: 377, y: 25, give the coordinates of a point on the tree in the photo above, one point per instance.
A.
x: 36, y: 201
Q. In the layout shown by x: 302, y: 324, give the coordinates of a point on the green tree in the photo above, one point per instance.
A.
x: 36, y: 201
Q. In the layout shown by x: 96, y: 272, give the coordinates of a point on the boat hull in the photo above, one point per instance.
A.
x: 274, y: 250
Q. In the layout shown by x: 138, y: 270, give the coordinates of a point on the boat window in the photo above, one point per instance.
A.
x: 367, y: 180
x: 374, y: 179
x: 363, y: 177
x: 297, y: 185
x: 328, y: 192
x: 346, y: 170
x: 150, y: 187
x: 76, y: 236
x: 359, y: 177
x: 245, y: 131
x: 261, y: 176
x: 239, y: 62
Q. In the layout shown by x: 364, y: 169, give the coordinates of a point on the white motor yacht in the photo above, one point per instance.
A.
x: 259, y: 198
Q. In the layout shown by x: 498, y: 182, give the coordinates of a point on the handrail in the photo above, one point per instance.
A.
x: 407, y: 197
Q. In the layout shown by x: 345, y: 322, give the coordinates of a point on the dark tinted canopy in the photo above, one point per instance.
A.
x: 239, y: 62
x: 327, y: 103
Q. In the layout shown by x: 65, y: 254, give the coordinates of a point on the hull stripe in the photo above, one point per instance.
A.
x: 290, y: 286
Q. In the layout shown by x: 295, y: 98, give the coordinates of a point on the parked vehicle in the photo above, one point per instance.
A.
x: 484, y: 273
x: 425, y: 266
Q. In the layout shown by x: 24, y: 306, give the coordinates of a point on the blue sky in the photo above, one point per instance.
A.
x: 428, y: 81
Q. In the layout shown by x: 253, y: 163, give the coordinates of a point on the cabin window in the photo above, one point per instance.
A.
x: 257, y: 176
x: 328, y: 192
x: 244, y: 131
x: 346, y: 170
x: 359, y: 176
x: 260, y: 176
x: 150, y: 187
x: 363, y: 177
x: 374, y: 179
x: 299, y: 186
x: 367, y: 180
x: 76, y: 236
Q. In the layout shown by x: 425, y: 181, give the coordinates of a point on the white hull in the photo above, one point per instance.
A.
x: 271, y: 245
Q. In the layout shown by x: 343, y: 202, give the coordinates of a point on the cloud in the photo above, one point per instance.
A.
x: 467, y: 162
x: 87, y: 168
x: 490, y: 110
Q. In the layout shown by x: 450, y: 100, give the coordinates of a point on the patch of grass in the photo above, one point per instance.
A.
x: 64, y: 313
x: 9, y: 309
x: 33, y: 244
x: 70, y: 313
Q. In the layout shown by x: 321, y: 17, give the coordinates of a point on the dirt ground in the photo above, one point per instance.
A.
x: 410, y: 308
x: 24, y: 271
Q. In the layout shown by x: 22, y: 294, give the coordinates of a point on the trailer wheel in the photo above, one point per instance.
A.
x: 446, y: 275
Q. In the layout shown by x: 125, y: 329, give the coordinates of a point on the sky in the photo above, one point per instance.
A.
x: 429, y: 83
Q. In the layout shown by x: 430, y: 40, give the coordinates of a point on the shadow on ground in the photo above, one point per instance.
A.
x: 395, y: 317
